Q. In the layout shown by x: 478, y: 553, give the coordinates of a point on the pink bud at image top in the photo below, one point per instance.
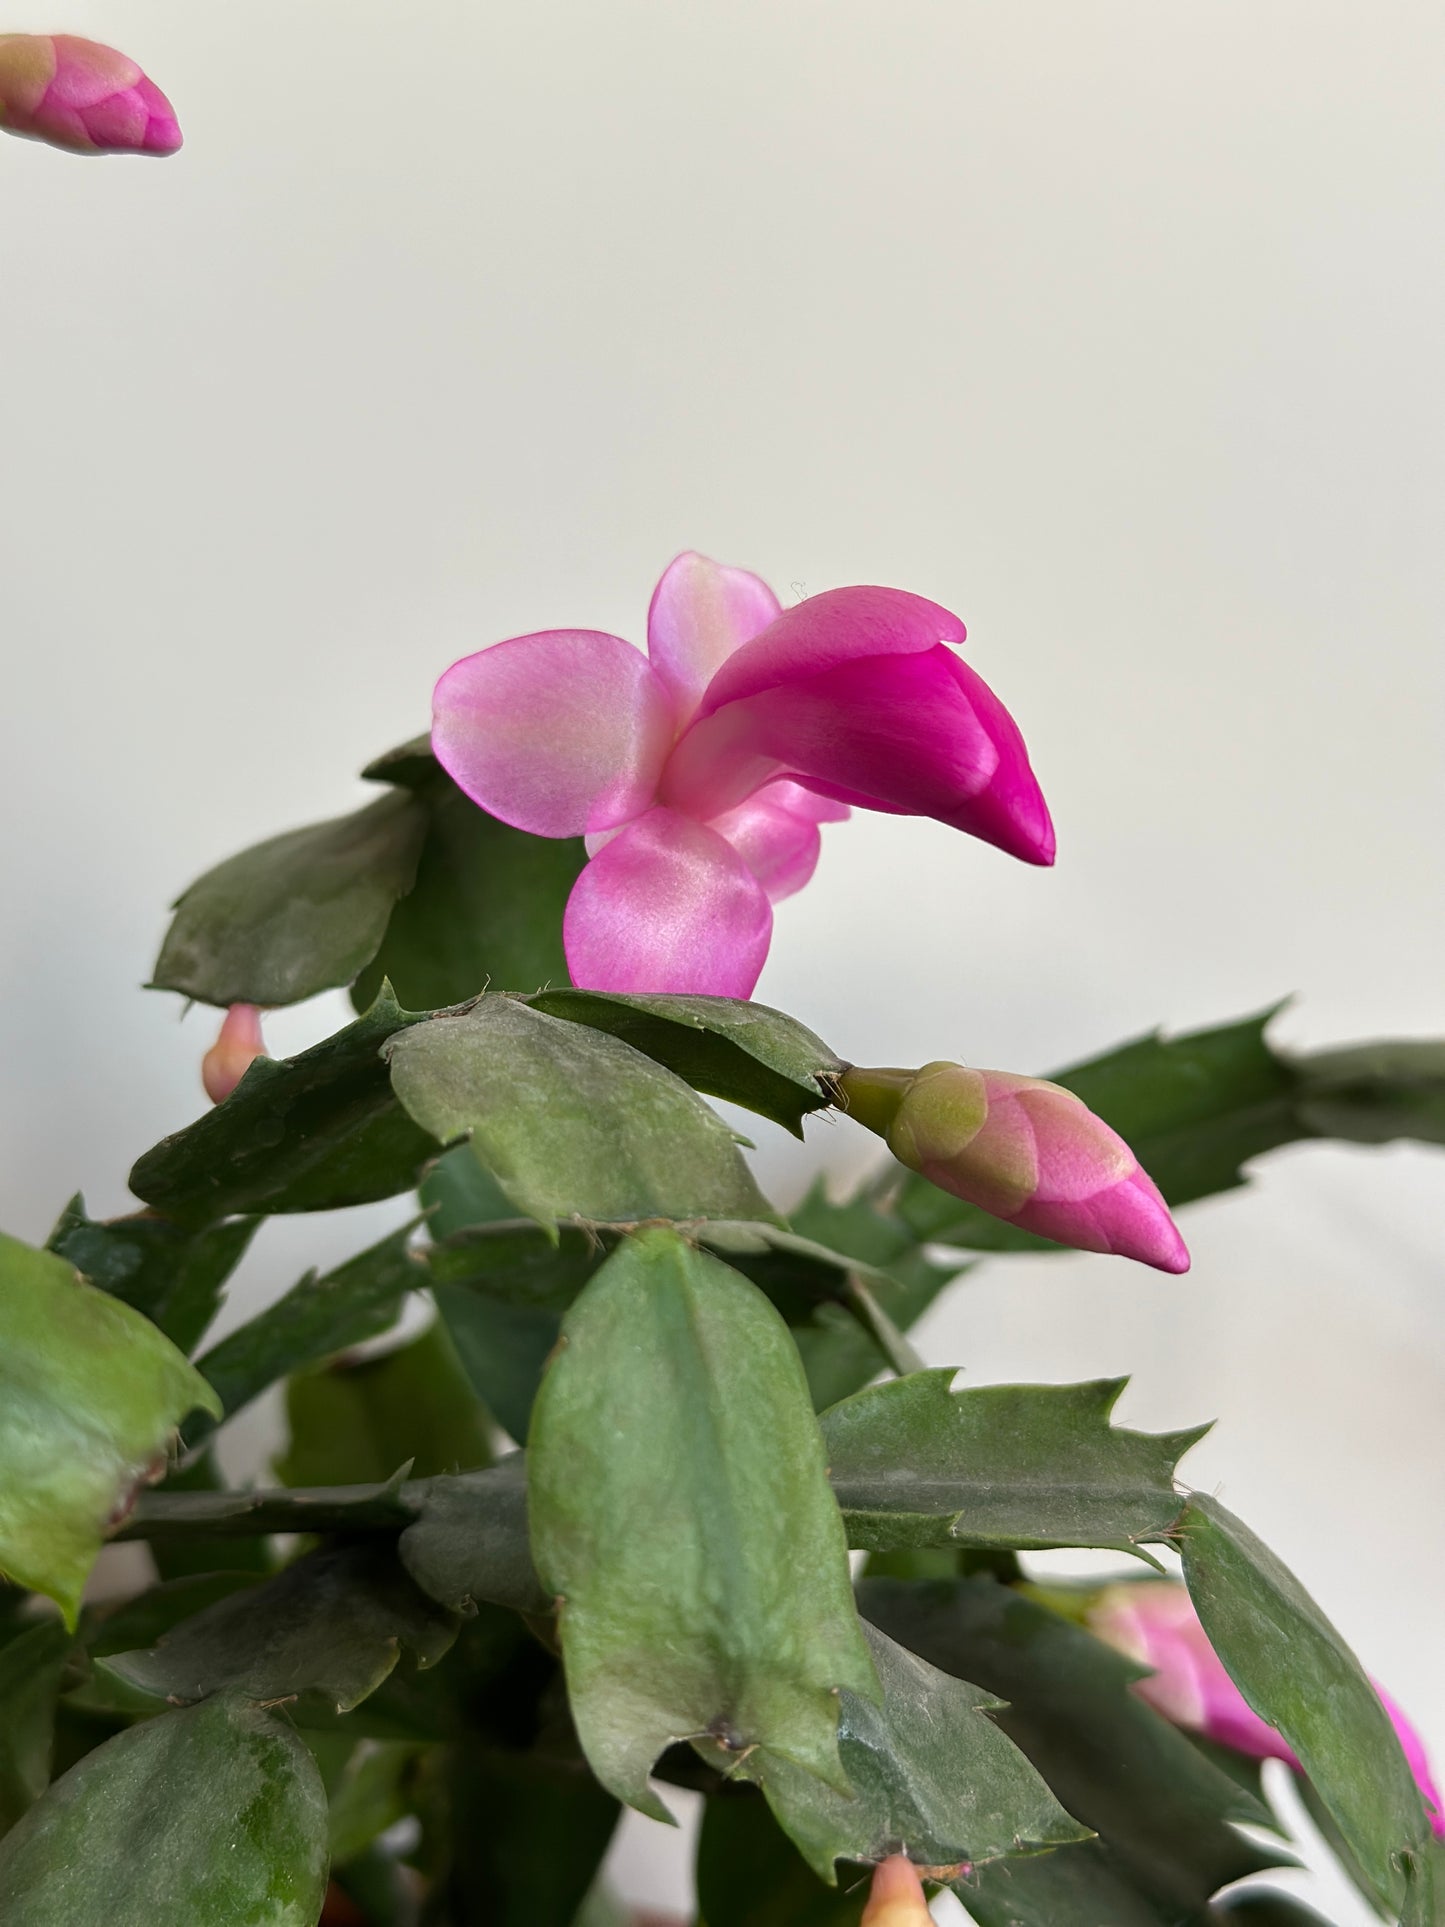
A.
x: 1023, y: 1150
x: 79, y: 95
x: 1154, y: 1622
x: 896, y: 1898
x: 237, y: 1047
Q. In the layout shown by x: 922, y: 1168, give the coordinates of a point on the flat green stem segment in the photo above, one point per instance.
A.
x: 1164, y: 1813
x: 166, y: 1517
x: 205, y: 1818
x: 175, y: 1276
x: 1296, y: 1672
x: 748, y: 1053
x: 570, y: 1121
x: 929, y: 1773
x: 301, y: 913
x: 1023, y: 1466
x: 326, y: 1630
x: 91, y: 1395
x: 680, y: 1513
x: 306, y: 1133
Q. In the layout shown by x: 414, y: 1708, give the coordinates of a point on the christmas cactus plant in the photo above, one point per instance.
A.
x: 659, y: 1495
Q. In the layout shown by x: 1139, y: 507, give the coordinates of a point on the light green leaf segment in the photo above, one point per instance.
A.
x: 90, y: 1398
x: 681, y: 1515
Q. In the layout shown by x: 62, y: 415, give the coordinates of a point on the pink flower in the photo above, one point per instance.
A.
x: 78, y: 94
x: 1023, y: 1150
x: 896, y: 1896
x: 229, y: 1058
x: 1154, y: 1622
x: 700, y: 773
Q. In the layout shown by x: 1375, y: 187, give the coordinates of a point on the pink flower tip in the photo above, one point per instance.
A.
x: 82, y: 96
x: 234, y: 1051
x: 1026, y: 1151
x: 1154, y: 1622
x: 896, y: 1897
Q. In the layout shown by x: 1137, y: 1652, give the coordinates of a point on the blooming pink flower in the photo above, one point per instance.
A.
x: 700, y: 772
x: 228, y: 1059
x: 1154, y: 1622
x: 78, y: 94
x: 1023, y: 1150
x: 896, y: 1896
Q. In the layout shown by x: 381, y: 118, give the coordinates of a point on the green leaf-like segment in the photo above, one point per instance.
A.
x: 30, y: 1668
x: 749, y: 1873
x: 928, y: 1773
x: 172, y: 1275
x: 1165, y: 1815
x: 747, y: 1053
x: 486, y: 908
x: 327, y: 1629
x: 1022, y: 1466
x: 570, y: 1121
x: 681, y: 1514
x: 1297, y: 1673
x: 91, y: 1395
x: 306, y: 1133
x: 298, y: 914
x: 206, y: 1818
x: 469, y: 1543
x: 359, y: 1300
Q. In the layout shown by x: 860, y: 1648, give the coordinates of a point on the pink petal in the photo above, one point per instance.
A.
x: 667, y: 905
x: 701, y: 612
x: 555, y: 733
x: 841, y: 625
x: 87, y: 73
x: 1413, y: 1748
x: 1130, y: 1219
x: 780, y: 849
x: 915, y: 735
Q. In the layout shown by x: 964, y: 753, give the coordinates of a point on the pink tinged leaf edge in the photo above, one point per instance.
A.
x: 667, y: 905
x: 558, y: 733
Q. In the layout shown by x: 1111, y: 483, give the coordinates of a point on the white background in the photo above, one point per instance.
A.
x: 1114, y: 326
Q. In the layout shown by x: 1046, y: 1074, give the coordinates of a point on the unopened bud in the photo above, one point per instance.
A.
x: 83, y: 96
x: 896, y: 1898
x: 239, y: 1044
x: 1023, y: 1150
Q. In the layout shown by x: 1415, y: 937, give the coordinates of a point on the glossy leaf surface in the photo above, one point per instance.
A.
x: 486, y: 907
x: 306, y: 1133
x: 1024, y: 1466
x: 680, y: 1511
x: 298, y: 914
x: 212, y: 1817
x: 1297, y: 1673
x: 571, y: 1121
x: 928, y: 1773
x: 745, y: 1052
x: 91, y: 1395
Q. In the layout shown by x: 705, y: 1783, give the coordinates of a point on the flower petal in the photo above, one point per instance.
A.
x: 701, y: 612
x: 781, y: 848
x: 555, y: 733
x: 914, y: 734
x: 839, y: 626
x: 667, y: 905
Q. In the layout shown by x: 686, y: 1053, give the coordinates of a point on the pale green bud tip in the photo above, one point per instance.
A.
x: 873, y: 1096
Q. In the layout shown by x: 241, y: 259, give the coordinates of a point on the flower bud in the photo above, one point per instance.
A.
x: 1154, y: 1622
x: 239, y: 1044
x: 77, y: 94
x: 1023, y: 1150
x: 896, y: 1899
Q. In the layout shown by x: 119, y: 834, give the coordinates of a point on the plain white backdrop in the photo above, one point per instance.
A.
x: 1113, y: 326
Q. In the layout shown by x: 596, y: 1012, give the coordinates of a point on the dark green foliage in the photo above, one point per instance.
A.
x: 173, y: 1275
x: 307, y: 1133
x: 486, y: 908
x: 749, y: 1874
x: 298, y: 914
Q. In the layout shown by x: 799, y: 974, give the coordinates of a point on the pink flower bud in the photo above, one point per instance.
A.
x: 1023, y: 1150
x: 239, y: 1044
x: 1154, y: 1622
x: 896, y: 1898
x: 77, y: 94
